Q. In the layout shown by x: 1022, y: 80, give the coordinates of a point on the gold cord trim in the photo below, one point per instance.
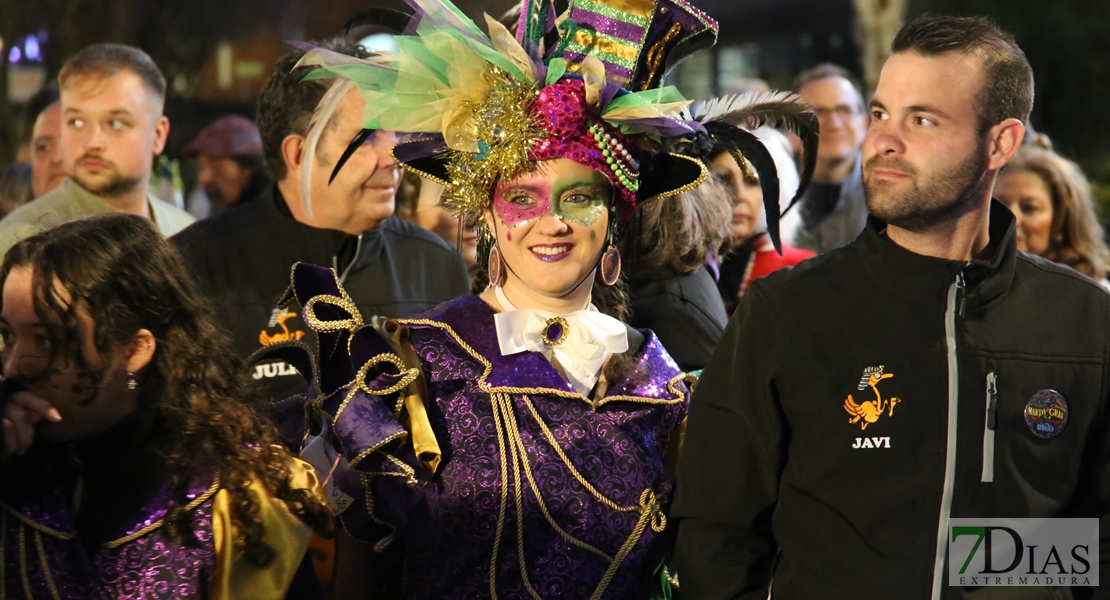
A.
x: 409, y: 167
x: 34, y: 525
x: 508, y: 432
x: 574, y: 471
x: 488, y: 368
x: 742, y: 162
x: 388, y: 539
x: 359, y: 383
x: 399, y: 435
x: 519, y: 443
x: 155, y: 525
x: 46, y: 567
x: 23, y: 561
x: 629, y: 544
x: 505, y: 404
x: 685, y: 188
x: 495, y: 400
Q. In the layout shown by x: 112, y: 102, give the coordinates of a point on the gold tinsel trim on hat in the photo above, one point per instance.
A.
x: 506, y: 131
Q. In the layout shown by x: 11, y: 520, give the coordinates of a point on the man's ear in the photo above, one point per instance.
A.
x: 140, y: 350
x: 161, y: 132
x: 292, y: 151
x: 1005, y: 140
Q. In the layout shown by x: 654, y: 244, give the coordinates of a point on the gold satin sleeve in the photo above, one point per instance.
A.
x: 234, y: 577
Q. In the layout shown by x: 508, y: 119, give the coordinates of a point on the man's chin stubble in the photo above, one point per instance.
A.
x: 112, y: 188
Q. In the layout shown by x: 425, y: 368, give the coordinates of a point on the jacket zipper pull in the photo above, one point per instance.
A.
x: 961, y: 299
x: 992, y: 401
x: 988, y: 430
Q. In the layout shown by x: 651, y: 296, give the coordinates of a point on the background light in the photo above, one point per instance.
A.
x: 379, y: 42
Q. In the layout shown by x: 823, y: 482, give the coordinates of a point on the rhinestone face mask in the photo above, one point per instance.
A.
x: 581, y: 200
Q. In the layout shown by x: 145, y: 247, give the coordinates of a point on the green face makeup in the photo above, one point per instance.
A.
x: 579, y: 200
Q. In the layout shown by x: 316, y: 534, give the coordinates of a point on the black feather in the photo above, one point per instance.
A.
x: 777, y: 109
x: 360, y: 138
x: 747, y: 144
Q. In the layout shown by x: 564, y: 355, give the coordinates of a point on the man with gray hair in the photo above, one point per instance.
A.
x: 833, y: 212
x: 112, y: 128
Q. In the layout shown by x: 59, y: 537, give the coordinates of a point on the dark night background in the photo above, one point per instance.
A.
x: 217, y: 53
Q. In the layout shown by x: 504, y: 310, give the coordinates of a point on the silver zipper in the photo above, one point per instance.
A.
x: 989, y: 426
x: 354, y: 259
x: 955, y: 305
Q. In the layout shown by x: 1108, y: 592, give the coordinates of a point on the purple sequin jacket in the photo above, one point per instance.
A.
x: 41, y: 557
x: 539, y: 491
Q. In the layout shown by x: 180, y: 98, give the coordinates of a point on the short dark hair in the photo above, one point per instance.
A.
x: 1007, y: 91
x: 286, y: 104
x: 109, y: 59
x: 827, y: 71
x: 39, y: 102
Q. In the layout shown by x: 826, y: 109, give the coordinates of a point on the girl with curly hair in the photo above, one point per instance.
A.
x: 1051, y: 199
x: 135, y: 464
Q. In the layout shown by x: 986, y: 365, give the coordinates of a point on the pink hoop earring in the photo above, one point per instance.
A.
x: 494, y: 266
x: 611, y: 266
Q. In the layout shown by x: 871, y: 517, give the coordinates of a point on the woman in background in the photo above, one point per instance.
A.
x: 671, y: 289
x: 1051, y: 200
x: 134, y: 464
x: 752, y: 255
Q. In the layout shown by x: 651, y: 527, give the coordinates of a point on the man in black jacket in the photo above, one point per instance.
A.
x: 860, y: 401
x: 244, y: 256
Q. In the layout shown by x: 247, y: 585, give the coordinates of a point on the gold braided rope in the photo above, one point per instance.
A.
x: 539, y: 497
x: 573, y: 471
x: 23, y: 561
x: 678, y: 395
x: 742, y: 162
x: 629, y: 544
x: 494, y: 400
x: 32, y: 524
x: 359, y: 383
x: 380, y: 545
x: 46, y: 567
x: 505, y: 404
x: 376, y: 447
x: 350, y: 324
x: 507, y: 431
x: 155, y: 525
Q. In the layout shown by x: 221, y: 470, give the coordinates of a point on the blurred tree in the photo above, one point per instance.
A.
x: 879, y: 22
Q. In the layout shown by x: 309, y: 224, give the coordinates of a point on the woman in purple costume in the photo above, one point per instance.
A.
x: 515, y: 444
x: 134, y: 466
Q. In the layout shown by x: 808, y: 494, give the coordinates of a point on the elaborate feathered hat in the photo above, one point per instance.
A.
x: 580, y: 80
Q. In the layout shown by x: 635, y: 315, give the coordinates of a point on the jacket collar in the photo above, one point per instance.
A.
x: 656, y: 379
x: 911, y: 275
x: 317, y: 245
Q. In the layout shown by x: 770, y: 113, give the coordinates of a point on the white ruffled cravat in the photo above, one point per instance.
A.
x: 580, y: 340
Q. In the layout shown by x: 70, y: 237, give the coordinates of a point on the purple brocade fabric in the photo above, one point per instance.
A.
x: 567, y: 493
x: 42, y: 558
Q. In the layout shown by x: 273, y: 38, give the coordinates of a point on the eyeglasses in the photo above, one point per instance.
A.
x: 842, y: 111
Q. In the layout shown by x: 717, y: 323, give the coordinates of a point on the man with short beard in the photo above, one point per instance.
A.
x: 112, y: 128
x: 857, y: 403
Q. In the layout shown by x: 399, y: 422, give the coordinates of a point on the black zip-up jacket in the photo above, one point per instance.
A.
x: 791, y: 473
x: 244, y: 257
